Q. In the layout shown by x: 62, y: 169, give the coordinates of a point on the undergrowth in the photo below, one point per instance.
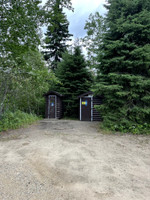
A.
x: 133, y: 128
x: 14, y: 120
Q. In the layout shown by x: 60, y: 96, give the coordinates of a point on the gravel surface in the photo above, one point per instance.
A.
x: 72, y: 160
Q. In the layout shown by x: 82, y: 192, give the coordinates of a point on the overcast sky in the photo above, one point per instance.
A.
x: 82, y: 10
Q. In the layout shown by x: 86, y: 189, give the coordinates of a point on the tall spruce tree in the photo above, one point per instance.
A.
x: 57, y: 31
x: 124, y: 70
x: 75, y: 79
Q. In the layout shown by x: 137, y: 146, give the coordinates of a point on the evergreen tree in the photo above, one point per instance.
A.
x: 124, y: 70
x: 57, y: 31
x: 75, y: 80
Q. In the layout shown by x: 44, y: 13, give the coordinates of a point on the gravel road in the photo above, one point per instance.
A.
x: 72, y: 160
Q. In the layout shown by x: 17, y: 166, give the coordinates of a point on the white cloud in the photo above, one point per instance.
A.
x: 87, y: 5
x: 82, y: 9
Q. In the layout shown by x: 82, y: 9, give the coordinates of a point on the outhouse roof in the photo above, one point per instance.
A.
x: 53, y: 93
x: 85, y: 94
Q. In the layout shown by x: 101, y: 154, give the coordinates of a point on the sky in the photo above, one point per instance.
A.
x: 82, y: 10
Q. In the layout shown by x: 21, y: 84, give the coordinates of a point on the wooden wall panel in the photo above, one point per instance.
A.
x: 96, y: 114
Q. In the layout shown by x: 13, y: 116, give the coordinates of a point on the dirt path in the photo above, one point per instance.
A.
x: 71, y: 160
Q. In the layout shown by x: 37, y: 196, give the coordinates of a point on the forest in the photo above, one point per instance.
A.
x: 116, y: 65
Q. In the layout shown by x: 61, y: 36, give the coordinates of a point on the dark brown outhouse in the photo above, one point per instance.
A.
x: 87, y: 110
x: 54, y: 106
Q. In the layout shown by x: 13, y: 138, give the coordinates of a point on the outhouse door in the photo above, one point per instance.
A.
x: 85, y: 109
x: 52, y: 106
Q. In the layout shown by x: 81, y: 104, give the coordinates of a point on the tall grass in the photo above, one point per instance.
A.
x: 14, y: 120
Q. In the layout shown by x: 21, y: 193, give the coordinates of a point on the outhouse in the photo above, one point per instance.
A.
x: 87, y: 110
x: 53, y: 105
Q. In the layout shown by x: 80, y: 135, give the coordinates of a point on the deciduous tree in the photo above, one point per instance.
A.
x: 23, y: 74
x: 95, y: 29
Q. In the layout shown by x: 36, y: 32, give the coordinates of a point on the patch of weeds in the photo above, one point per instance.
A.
x: 125, y: 128
x: 18, y: 119
x: 105, y: 130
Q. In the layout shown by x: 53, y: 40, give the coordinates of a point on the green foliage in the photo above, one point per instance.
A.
x: 74, y: 78
x: 16, y: 120
x: 95, y: 28
x: 19, y: 27
x: 57, y: 31
x: 126, y: 127
x: 124, y: 66
x: 23, y: 87
x: 23, y: 74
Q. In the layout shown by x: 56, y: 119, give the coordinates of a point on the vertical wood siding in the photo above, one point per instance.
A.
x: 59, y: 108
x: 96, y: 114
x: 46, y: 107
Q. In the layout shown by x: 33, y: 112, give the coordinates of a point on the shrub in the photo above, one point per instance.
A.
x: 127, y: 127
x: 14, y: 120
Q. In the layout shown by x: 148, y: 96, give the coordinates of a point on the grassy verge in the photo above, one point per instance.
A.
x: 134, y: 129
x: 18, y: 119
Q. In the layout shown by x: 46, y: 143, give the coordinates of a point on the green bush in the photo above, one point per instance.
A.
x: 127, y: 127
x: 14, y: 120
